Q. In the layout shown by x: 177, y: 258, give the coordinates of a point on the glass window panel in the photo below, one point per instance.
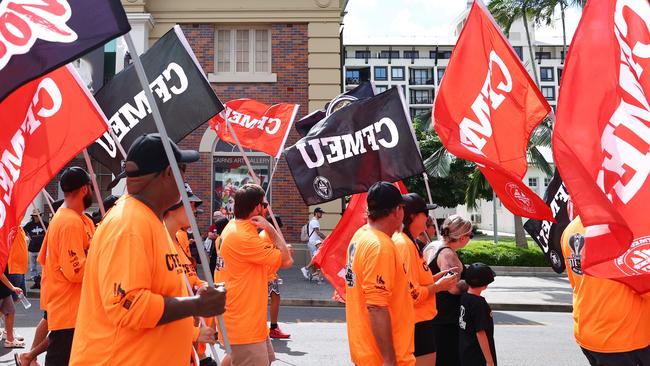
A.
x: 223, y: 51
x: 242, y: 45
x: 262, y: 50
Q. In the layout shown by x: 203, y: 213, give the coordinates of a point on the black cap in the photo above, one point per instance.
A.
x: 318, y: 209
x: 74, y: 178
x: 109, y: 201
x: 148, y: 153
x: 416, y: 204
x: 192, y: 197
x: 479, y: 275
x: 383, y: 196
x: 57, y: 204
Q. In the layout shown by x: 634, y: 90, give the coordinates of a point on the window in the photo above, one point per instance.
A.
x: 546, y: 74
x: 380, y: 88
x: 519, y: 51
x: 420, y: 77
x: 532, y: 183
x: 381, y: 73
x: 421, y: 96
x: 352, y: 76
x: 243, y: 51
x: 411, y: 54
x: 441, y: 73
x: 361, y: 54
x: 432, y: 54
x: 547, y: 181
x: 559, y: 75
x: 548, y: 92
x: 418, y: 112
x: 542, y: 55
x: 397, y: 73
x: 389, y: 54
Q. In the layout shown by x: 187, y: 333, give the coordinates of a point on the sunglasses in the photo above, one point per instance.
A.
x: 264, y: 204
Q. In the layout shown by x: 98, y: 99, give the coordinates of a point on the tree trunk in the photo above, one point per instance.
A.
x: 562, y: 8
x: 520, y: 234
x: 530, y: 45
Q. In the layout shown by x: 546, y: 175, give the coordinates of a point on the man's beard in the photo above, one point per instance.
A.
x: 88, y: 200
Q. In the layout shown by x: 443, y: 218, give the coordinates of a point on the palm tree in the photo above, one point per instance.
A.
x: 547, y: 10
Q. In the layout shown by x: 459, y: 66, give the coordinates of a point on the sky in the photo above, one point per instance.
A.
x: 381, y: 19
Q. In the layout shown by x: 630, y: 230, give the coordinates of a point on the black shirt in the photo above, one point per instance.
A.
x: 475, y: 315
x: 448, y: 304
x: 36, y: 234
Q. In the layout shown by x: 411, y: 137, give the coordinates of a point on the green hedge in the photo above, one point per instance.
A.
x: 503, y: 254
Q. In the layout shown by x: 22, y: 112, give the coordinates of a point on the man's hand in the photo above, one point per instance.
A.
x: 17, y: 290
x: 211, y: 302
x: 206, y: 335
x: 445, y: 282
x: 262, y: 224
x: 212, y: 235
x: 290, y: 247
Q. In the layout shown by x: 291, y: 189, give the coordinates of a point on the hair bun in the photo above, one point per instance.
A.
x: 445, y: 231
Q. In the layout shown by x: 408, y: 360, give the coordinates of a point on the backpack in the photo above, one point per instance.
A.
x: 304, y: 235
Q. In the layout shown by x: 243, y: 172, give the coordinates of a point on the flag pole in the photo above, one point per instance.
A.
x: 48, y: 199
x: 93, y: 179
x: 275, y: 167
x: 435, y: 221
x: 202, y: 322
x: 177, y: 174
x: 494, y: 217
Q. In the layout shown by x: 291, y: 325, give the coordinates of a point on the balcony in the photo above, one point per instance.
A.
x: 421, y: 81
x: 428, y: 99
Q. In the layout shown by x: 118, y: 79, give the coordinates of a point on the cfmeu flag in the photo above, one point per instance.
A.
x: 487, y: 108
x: 601, y: 139
x: 45, y: 123
x: 346, y: 153
x: 182, y: 93
x: 258, y: 126
x: 38, y: 36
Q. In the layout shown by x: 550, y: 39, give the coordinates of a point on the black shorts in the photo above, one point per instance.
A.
x: 630, y: 358
x: 447, y: 345
x: 425, y: 338
x: 58, y: 350
x: 45, y: 314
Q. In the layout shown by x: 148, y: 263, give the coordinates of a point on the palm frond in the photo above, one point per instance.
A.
x: 439, y: 163
x: 477, y: 183
x: 537, y: 159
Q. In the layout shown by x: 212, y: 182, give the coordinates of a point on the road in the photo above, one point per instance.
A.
x: 318, y: 337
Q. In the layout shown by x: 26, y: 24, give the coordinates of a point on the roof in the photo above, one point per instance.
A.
x: 404, y: 41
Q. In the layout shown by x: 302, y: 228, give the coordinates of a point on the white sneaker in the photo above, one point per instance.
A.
x: 305, y: 273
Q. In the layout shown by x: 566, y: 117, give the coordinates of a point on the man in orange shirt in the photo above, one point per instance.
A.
x: 18, y: 261
x: 610, y: 320
x: 247, y: 259
x: 135, y: 309
x: 63, y: 256
x: 379, y: 308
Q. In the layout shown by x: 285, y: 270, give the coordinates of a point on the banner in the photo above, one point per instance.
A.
x: 601, y: 139
x: 258, y: 126
x: 182, y: 92
x: 363, y: 91
x: 37, y: 37
x: 45, y: 123
x: 548, y: 234
x: 369, y: 141
x: 488, y: 106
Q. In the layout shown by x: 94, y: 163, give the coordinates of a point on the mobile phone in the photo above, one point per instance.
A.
x: 450, y: 273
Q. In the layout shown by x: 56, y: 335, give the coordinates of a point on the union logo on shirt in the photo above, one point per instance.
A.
x: 576, y: 244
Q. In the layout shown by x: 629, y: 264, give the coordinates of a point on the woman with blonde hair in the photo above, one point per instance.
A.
x: 441, y: 256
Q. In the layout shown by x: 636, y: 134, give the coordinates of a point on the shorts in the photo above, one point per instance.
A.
x: 446, y: 337
x: 274, y: 286
x: 254, y: 354
x: 45, y: 314
x: 58, y: 350
x: 17, y: 280
x: 313, y: 248
x: 7, y: 305
x: 630, y: 358
x: 425, y: 338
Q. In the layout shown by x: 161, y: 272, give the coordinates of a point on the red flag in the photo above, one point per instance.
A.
x: 258, y: 126
x: 45, y: 123
x: 601, y: 139
x: 331, y: 255
x: 488, y: 106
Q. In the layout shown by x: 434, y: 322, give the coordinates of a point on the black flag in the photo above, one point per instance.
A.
x: 183, y: 95
x: 39, y: 36
x: 548, y: 234
x: 368, y: 141
x: 363, y: 91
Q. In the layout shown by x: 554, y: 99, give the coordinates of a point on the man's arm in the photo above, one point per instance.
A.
x: 278, y: 241
x: 319, y: 233
x: 208, y: 303
x: 485, y: 347
x: 381, y: 329
x: 72, y: 253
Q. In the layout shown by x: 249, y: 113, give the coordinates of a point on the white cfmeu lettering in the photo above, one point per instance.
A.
x: 382, y: 133
x: 264, y: 123
x: 172, y: 81
x: 626, y: 137
x: 474, y: 135
x: 45, y: 103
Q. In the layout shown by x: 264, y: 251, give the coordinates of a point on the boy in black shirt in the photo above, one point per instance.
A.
x: 476, y: 336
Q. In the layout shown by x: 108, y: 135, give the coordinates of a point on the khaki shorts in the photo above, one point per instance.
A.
x: 254, y: 354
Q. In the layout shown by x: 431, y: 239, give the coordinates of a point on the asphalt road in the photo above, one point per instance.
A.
x: 318, y: 337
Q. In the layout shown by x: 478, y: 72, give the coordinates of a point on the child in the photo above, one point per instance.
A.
x: 476, y: 336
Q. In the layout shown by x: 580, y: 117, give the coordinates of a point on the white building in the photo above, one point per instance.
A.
x: 417, y: 64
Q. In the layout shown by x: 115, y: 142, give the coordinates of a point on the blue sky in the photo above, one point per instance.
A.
x: 391, y: 18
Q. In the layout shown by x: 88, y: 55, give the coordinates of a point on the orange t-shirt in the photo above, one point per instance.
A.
x: 182, y: 244
x: 63, y: 256
x: 131, y: 267
x: 419, y: 277
x: 247, y: 258
x: 18, y: 258
x: 608, y: 316
x: 271, y: 273
x: 376, y: 275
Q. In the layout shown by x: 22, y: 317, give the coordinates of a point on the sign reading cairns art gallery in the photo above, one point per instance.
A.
x: 368, y: 141
x: 184, y: 97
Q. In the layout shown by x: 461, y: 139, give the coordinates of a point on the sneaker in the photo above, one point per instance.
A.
x: 305, y: 273
x: 278, y: 334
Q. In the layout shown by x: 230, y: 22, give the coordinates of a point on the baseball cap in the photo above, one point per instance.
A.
x: 36, y: 212
x: 479, y: 275
x: 318, y: 209
x: 192, y: 197
x: 74, y: 178
x: 148, y: 153
x: 414, y: 204
x: 383, y: 196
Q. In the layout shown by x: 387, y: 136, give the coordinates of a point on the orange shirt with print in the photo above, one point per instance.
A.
x: 63, y: 256
x: 375, y: 275
x: 131, y: 267
x: 608, y: 316
x: 18, y: 258
x: 247, y: 259
x: 419, y: 277
x: 182, y: 244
